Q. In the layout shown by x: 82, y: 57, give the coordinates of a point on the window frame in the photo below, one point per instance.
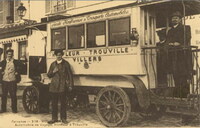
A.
x: 61, y: 6
x: 105, y: 25
x: 19, y: 50
x: 129, y: 19
x: 53, y: 49
x: 83, y: 25
x: 24, y: 63
x: 5, y: 47
x: 16, y: 5
x: 1, y: 12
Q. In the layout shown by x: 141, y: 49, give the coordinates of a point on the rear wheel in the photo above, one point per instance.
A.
x: 113, y: 106
x: 31, y: 99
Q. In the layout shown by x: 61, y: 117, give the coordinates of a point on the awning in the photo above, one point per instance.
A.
x: 13, y: 39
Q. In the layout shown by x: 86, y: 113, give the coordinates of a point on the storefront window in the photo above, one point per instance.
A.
x: 119, y: 32
x: 6, y: 47
x: 96, y: 33
x: 76, y: 37
x: 22, y: 57
x: 22, y: 50
x: 58, y: 38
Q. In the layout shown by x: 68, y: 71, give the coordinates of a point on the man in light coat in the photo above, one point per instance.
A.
x: 10, y: 77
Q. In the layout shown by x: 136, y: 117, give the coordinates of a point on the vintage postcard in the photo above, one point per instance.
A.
x: 99, y: 63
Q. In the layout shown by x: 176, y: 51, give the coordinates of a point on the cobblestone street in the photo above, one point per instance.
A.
x: 80, y: 118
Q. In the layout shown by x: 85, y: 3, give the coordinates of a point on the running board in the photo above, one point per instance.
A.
x: 183, y: 111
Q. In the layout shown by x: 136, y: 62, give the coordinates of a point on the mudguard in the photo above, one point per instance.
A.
x: 141, y: 91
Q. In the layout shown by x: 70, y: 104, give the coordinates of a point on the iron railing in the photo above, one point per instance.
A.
x: 189, y: 55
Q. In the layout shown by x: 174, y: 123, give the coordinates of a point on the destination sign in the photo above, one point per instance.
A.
x: 92, y: 17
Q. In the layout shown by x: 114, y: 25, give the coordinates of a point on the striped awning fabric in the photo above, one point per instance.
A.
x: 13, y: 39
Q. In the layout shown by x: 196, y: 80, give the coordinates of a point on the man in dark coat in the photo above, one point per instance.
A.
x: 179, y: 60
x: 10, y: 77
x: 61, y: 82
x: 161, y: 59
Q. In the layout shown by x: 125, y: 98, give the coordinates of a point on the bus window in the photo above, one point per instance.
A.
x: 96, y: 33
x: 119, y: 31
x: 76, y: 37
x: 58, y: 38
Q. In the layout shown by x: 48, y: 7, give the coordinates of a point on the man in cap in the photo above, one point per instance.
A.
x: 179, y: 60
x: 61, y: 82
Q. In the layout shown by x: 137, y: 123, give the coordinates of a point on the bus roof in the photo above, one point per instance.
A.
x: 191, y: 7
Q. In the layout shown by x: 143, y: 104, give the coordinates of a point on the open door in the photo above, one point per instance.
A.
x: 149, y: 32
x: 37, y: 55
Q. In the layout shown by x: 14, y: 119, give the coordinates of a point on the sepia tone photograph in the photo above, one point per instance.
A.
x: 99, y: 63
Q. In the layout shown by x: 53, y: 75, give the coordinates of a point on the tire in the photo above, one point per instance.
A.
x: 31, y: 99
x: 113, y: 106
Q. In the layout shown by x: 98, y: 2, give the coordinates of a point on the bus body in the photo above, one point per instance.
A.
x: 106, y: 49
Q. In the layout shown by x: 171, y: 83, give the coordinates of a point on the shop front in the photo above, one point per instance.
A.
x: 15, y: 36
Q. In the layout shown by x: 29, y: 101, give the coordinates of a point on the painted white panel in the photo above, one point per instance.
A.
x: 115, y: 60
x: 36, y: 46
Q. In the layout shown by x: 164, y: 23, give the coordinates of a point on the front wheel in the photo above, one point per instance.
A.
x: 113, y: 106
x: 31, y: 99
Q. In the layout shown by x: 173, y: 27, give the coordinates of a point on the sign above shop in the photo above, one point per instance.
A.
x: 13, y: 39
x: 92, y: 17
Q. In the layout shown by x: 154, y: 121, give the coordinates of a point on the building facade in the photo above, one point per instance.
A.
x: 13, y: 28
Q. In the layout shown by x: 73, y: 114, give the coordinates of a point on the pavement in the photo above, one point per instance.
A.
x: 80, y: 118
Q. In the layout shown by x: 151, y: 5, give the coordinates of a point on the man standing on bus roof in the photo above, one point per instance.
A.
x: 179, y: 61
x: 61, y: 82
x: 10, y: 77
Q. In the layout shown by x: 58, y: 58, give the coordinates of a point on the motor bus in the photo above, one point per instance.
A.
x: 113, y: 54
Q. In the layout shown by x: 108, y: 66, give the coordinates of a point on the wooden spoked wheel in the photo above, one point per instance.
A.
x: 113, y: 106
x: 31, y: 99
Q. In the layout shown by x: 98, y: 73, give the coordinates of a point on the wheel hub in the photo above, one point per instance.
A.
x: 110, y: 106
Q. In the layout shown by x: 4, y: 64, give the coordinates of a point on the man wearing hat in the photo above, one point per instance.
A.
x: 179, y: 60
x: 175, y: 36
x: 61, y: 82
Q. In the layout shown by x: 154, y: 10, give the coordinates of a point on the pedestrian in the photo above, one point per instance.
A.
x: 61, y: 83
x: 179, y: 58
x: 10, y: 78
